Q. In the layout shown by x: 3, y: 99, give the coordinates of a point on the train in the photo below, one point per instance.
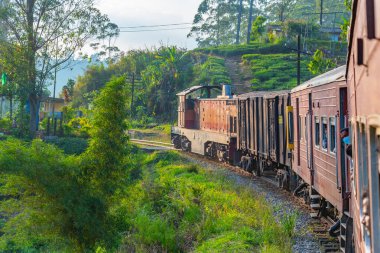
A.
x: 320, y: 140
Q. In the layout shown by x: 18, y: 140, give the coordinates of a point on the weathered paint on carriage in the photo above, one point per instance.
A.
x: 317, y: 106
x: 364, y: 103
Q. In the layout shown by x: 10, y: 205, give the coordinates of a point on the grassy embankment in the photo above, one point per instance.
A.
x: 179, y: 207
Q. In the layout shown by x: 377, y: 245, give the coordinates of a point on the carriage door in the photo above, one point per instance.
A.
x: 343, y: 123
x: 309, y: 139
x: 272, y: 128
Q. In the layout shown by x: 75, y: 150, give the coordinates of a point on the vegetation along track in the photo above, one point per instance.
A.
x: 311, y: 234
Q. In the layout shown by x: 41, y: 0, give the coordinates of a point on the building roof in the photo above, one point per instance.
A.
x: 195, y: 88
x: 335, y: 75
x: 51, y: 100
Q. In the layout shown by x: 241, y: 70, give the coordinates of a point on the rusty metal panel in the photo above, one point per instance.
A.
x: 252, y: 128
x: 215, y: 115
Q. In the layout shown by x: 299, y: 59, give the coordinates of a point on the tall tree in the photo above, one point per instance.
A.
x: 215, y: 22
x: 250, y: 21
x: 240, y: 11
x: 49, y: 32
x: 280, y: 10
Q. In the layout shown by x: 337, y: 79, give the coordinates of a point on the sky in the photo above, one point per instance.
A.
x: 127, y: 13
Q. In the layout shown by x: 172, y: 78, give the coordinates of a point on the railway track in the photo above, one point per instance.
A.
x: 152, y: 144
x: 319, y: 227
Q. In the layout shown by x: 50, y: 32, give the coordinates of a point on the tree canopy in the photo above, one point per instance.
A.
x: 47, y: 33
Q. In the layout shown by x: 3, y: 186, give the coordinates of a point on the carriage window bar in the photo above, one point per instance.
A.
x: 317, y: 132
x: 332, y: 135
x: 324, y: 133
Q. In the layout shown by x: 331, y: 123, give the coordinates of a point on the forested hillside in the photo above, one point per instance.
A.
x: 260, y: 58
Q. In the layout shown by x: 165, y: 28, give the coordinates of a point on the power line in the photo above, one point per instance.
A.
x: 142, y: 26
x: 155, y: 30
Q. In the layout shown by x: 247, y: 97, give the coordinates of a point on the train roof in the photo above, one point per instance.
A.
x: 195, y: 88
x: 335, y: 75
x: 267, y: 94
x: 354, y: 11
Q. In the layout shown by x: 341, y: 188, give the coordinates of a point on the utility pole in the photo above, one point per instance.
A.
x: 133, y: 91
x: 250, y: 21
x: 55, y: 84
x: 321, y: 14
x: 239, y: 22
x: 299, y: 60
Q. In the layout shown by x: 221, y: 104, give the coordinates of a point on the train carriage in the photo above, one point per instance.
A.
x: 363, y: 78
x: 262, y: 131
x: 319, y: 106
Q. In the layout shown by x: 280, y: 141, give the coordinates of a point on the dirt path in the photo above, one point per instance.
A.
x: 240, y: 75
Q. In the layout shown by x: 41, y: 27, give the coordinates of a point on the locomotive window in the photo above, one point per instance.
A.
x: 317, y: 132
x: 324, y: 133
x: 332, y: 135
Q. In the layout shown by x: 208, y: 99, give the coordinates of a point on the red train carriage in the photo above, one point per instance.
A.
x: 320, y: 110
x: 207, y: 122
x: 319, y: 107
x: 363, y: 77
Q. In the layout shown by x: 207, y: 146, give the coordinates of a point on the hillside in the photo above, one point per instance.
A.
x: 160, y: 74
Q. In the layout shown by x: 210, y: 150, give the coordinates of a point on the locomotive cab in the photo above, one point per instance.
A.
x: 207, y: 122
x: 189, y: 104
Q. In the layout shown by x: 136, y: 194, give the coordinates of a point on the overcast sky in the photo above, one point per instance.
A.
x: 126, y: 13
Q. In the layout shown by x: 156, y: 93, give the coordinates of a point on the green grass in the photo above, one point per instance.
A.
x: 179, y: 207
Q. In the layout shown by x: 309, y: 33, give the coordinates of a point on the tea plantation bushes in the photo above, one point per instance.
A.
x: 276, y: 71
x: 237, y: 50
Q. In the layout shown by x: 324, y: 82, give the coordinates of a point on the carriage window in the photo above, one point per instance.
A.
x: 324, y: 133
x: 375, y: 185
x: 317, y: 132
x: 332, y: 135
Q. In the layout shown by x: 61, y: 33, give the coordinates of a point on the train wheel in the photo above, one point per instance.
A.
x: 258, y: 168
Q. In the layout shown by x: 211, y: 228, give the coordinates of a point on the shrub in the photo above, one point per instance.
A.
x: 70, y: 145
x: 79, y: 127
x: 5, y: 124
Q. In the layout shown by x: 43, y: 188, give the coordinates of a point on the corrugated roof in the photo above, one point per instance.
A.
x: 263, y: 94
x: 338, y: 74
x: 195, y: 88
